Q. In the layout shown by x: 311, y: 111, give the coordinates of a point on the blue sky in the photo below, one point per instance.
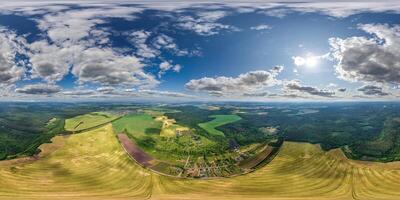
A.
x: 262, y: 51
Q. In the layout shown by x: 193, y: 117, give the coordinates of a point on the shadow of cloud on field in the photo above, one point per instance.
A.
x: 151, y: 131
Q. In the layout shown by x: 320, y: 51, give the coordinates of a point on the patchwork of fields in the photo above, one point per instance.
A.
x: 93, y: 165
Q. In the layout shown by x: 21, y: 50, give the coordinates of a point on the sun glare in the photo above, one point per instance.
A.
x: 311, y: 61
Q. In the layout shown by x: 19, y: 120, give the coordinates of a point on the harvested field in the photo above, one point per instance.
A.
x: 93, y: 165
x: 169, y: 127
x: 87, y: 121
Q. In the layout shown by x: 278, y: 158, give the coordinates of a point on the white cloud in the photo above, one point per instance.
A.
x: 156, y: 93
x: 270, y: 7
x: 165, y: 66
x: 106, y: 67
x: 298, y: 89
x: 89, y: 65
x: 299, y: 61
x: 332, y: 85
x: 50, y: 62
x: 74, y: 25
x: 139, y: 39
x: 205, y: 23
x: 9, y: 47
x: 244, y: 83
x: 345, y: 9
x: 73, y: 50
x: 308, y: 60
x: 374, y: 59
x: 39, y: 89
x: 163, y: 41
x: 79, y: 92
x: 106, y: 90
x: 261, y: 27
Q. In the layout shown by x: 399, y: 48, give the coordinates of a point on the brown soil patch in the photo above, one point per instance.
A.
x: 134, y: 151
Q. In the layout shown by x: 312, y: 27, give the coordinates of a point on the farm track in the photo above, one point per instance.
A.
x: 93, y: 165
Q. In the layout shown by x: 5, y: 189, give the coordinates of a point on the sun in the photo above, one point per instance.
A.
x: 311, y: 61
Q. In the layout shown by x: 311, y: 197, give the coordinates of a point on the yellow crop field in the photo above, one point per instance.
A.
x: 169, y: 127
x: 93, y: 165
x: 83, y: 122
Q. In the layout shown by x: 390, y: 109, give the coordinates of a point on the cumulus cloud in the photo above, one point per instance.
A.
x: 250, y: 81
x: 9, y: 47
x: 295, y: 86
x: 372, y: 90
x: 40, y: 88
x: 88, y: 64
x: 261, y: 27
x: 50, y: 62
x: 70, y: 49
x: 165, y: 66
x: 369, y: 59
x: 106, y: 67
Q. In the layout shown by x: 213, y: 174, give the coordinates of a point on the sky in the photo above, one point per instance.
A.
x: 191, y: 50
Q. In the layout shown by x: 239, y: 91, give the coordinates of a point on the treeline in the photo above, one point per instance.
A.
x: 385, y: 147
x: 25, y: 126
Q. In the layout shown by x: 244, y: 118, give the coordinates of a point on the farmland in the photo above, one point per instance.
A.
x: 137, y: 125
x: 218, y: 120
x: 175, y: 149
x: 93, y: 165
x: 89, y: 120
x: 162, y: 152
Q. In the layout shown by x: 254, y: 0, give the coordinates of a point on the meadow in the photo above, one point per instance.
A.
x: 93, y: 165
x: 218, y: 120
x: 137, y: 125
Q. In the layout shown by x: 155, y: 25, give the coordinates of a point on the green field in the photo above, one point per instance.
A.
x: 89, y: 120
x: 218, y: 120
x: 137, y: 125
x: 93, y: 165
